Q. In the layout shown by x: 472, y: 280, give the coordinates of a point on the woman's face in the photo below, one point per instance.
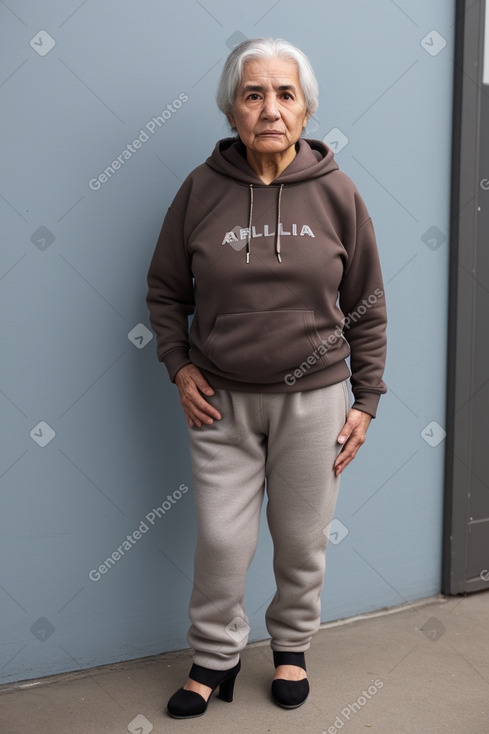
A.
x: 269, y: 111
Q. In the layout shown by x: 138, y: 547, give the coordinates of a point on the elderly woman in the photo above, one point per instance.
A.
x: 272, y: 249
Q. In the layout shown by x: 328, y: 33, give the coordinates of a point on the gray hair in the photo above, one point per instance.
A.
x: 264, y: 48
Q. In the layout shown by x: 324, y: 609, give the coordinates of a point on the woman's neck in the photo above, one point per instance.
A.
x: 269, y: 166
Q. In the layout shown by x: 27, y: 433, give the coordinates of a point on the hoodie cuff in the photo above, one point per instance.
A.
x: 175, y: 360
x: 367, y: 402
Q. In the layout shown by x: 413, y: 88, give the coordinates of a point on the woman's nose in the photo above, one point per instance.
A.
x: 270, y: 108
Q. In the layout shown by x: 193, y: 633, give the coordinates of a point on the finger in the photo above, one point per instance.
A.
x: 198, y: 408
x: 345, y: 432
x: 192, y: 420
x: 191, y: 397
x: 202, y: 384
x: 347, y: 454
x: 341, y: 463
x: 200, y: 418
x: 191, y: 373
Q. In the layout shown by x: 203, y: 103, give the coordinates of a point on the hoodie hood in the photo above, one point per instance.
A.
x: 313, y: 159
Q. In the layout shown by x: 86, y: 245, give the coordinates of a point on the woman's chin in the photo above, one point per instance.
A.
x: 271, y: 145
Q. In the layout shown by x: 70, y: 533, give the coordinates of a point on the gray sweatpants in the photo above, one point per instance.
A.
x: 289, y: 440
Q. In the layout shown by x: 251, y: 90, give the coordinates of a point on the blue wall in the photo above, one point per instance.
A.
x: 93, y: 438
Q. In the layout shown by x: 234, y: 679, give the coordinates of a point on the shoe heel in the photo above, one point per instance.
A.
x: 226, y: 690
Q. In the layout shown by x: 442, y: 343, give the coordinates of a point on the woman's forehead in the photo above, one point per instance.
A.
x: 282, y: 76
x: 278, y: 70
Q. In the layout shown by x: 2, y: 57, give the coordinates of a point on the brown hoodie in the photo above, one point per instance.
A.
x: 283, y: 279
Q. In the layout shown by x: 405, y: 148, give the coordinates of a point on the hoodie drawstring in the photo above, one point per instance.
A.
x: 249, y: 225
x: 277, y: 228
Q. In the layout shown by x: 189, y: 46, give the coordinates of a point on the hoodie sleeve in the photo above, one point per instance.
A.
x: 362, y: 301
x: 170, y: 296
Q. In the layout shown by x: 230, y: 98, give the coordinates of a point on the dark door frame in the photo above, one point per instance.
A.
x: 463, y: 542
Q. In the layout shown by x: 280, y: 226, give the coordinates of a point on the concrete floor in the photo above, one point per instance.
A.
x: 421, y: 669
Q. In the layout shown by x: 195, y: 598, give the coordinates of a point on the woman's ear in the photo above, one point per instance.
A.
x: 231, y: 120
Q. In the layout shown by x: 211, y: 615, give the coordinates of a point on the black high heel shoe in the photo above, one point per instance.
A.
x: 290, y: 694
x: 187, y: 704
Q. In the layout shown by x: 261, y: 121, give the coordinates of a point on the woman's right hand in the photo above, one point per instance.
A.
x: 191, y: 384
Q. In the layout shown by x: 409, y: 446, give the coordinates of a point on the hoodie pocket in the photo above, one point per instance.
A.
x: 263, y: 346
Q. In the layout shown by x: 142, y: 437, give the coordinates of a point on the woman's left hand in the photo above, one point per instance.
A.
x: 352, y: 436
